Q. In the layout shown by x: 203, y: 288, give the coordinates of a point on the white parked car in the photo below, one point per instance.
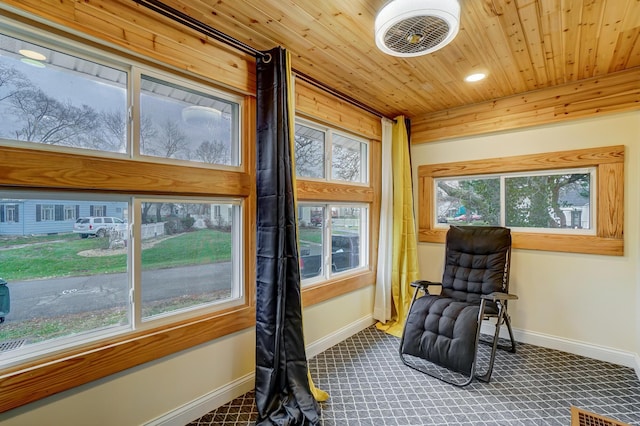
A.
x: 98, y: 226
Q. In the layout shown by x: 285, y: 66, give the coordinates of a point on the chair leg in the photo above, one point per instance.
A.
x: 494, y: 346
x: 507, y: 321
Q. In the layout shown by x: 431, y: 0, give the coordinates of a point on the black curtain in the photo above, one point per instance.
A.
x: 283, y: 395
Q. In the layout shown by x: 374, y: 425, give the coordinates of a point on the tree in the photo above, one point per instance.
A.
x: 12, y: 81
x: 536, y: 201
x: 346, y: 163
x: 477, y: 196
x: 148, y: 133
x: 214, y: 152
x: 112, y: 132
x: 168, y: 142
x: 309, y: 154
x: 49, y: 121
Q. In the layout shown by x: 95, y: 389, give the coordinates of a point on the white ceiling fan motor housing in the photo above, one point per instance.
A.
x: 416, y: 27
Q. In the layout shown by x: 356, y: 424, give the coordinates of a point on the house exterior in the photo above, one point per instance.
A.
x: 19, y: 217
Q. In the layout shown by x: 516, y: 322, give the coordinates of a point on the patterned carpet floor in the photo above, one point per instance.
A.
x: 370, y: 386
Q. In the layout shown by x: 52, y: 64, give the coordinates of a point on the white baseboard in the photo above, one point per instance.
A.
x: 602, y: 353
x: 338, y: 336
x: 209, y: 402
x: 206, y: 403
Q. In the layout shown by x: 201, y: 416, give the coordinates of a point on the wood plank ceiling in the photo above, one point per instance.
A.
x: 523, y: 45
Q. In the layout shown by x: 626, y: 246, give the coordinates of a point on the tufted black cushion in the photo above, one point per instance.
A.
x: 442, y: 328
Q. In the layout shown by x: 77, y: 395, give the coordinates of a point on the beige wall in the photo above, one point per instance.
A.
x: 582, y: 299
x: 144, y: 393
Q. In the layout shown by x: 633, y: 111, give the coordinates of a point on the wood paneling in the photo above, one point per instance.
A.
x: 318, y: 105
x: 609, y: 163
x: 133, y: 29
x: 525, y: 46
x: 55, y: 170
x: 612, y: 93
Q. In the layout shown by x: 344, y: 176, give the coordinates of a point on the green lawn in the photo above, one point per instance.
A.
x: 58, y: 257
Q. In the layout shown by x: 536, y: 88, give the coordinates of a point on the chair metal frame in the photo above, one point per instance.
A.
x: 500, y: 299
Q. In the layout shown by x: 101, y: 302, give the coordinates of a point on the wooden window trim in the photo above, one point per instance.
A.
x: 609, y: 164
x: 39, y: 169
x: 328, y: 192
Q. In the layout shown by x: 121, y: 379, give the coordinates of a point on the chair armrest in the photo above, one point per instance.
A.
x: 423, y: 284
x: 495, y: 296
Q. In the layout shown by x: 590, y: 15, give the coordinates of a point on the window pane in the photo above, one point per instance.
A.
x: 349, y: 159
x: 53, y: 98
x: 189, y: 255
x: 309, y: 147
x: 346, y: 232
x: 468, y: 201
x: 310, y: 238
x: 61, y: 285
x: 548, y: 201
x: 180, y: 123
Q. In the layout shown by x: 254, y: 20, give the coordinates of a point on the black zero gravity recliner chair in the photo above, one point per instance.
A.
x: 444, y: 330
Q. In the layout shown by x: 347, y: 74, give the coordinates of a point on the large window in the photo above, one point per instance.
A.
x: 71, y: 282
x: 183, y: 123
x: 58, y: 98
x: 559, y: 201
x: 546, y: 201
x: 124, y: 224
x: 336, y: 200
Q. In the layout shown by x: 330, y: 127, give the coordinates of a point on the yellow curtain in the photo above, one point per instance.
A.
x: 318, y: 394
x: 405, y: 252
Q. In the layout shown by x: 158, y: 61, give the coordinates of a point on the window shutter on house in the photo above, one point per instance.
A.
x: 16, y: 218
x: 1, y: 213
x: 38, y: 212
x: 59, y: 213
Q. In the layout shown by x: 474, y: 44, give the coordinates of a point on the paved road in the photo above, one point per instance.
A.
x: 61, y: 296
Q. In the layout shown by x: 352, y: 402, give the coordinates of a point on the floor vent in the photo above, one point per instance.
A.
x: 581, y: 417
x: 11, y: 345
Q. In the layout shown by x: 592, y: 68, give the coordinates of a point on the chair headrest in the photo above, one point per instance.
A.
x: 479, y: 239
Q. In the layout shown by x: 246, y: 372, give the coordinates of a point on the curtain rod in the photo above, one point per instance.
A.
x: 188, y: 21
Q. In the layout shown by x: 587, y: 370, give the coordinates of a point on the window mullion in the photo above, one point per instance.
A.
x: 503, y: 201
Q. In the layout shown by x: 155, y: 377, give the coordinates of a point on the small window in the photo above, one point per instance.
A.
x: 552, y: 200
x: 310, y: 156
x: 47, y: 212
x: 349, y: 159
x: 321, y: 152
x: 53, y: 98
x: 190, y: 255
x: 69, y: 213
x: 182, y: 123
x: 332, y: 245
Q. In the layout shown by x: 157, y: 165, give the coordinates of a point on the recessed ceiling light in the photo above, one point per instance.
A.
x: 475, y: 77
x: 32, y: 62
x: 31, y: 54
